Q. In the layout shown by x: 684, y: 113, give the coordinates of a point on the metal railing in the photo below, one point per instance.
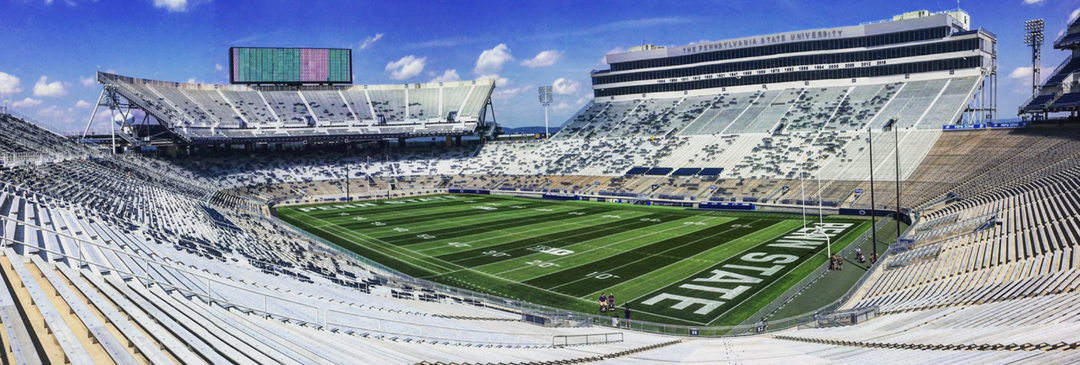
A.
x: 586, y: 339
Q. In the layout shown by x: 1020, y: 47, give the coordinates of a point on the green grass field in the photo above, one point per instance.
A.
x: 672, y: 265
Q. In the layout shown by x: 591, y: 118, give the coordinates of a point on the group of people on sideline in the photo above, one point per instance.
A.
x: 836, y: 262
x: 607, y: 303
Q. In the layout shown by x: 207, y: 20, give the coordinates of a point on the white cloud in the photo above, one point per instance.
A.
x: 82, y: 104
x: 563, y: 86
x: 1020, y: 73
x: 492, y: 60
x: 9, y: 85
x: 26, y: 103
x: 509, y: 93
x: 192, y: 81
x: 1032, y: 1
x: 545, y: 58
x: 45, y: 88
x: 449, y: 75
x: 218, y: 67
x: 562, y: 106
x: 407, y: 67
x: 499, y: 81
x: 603, y: 60
x: 87, y: 81
x: 54, y: 112
x: 584, y: 99
x: 172, y: 5
x: 370, y: 41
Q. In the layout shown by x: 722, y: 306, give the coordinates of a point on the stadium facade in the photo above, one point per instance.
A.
x: 913, y: 46
x: 226, y: 114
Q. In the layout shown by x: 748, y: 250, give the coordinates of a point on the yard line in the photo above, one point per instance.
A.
x: 785, y: 274
x: 516, y: 233
x: 650, y: 256
x: 598, y: 248
x: 450, y: 224
x: 781, y: 234
x: 462, y: 268
x: 369, y: 238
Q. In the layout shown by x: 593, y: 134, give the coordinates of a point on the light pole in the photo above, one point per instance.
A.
x: 873, y: 205
x: 896, y: 147
x: 1034, y: 38
x: 802, y: 190
x: 545, y: 100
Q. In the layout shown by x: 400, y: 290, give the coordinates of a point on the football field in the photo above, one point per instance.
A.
x: 672, y: 265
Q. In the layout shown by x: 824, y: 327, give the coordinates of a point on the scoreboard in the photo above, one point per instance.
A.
x: 256, y: 65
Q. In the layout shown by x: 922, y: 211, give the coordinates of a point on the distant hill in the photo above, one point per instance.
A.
x: 528, y: 130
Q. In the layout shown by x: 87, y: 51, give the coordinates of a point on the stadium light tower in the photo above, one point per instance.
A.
x: 1034, y: 38
x: 545, y: 100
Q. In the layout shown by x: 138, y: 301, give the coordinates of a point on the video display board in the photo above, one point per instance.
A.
x: 256, y: 65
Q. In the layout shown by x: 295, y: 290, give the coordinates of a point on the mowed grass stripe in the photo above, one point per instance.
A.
x: 498, y: 237
x: 592, y: 251
x: 434, y: 215
x: 575, y: 281
x: 474, y: 258
x: 461, y: 218
x: 396, y: 262
x: 762, y: 285
x: 663, y: 276
x: 752, y: 304
x: 383, y: 207
x: 411, y: 237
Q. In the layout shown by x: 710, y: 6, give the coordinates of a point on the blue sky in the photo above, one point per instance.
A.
x: 49, y: 50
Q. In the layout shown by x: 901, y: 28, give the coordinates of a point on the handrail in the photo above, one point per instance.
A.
x: 608, y: 338
x: 420, y: 329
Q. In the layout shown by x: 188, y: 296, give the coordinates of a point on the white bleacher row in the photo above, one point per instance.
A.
x: 1024, y: 243
x: 1045, y: 324
x: 226, y: 106
x: 926, y: 105
x: 763, y: 350
x: 119, y: 272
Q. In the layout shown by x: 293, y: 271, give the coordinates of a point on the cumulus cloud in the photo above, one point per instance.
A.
x: 82, y: 104
x: 545, y: 58
x: 449, y: 75
x: 562, y: 106
x: 563, y: 86
x: 603, y: 60
x: 26, y: 103
x: 178, y: 6
x: 52, y: 89
x: 87, y: 81
x: 9, y: 85
x: 499, y: 81
x: 1020, y: 73
x: 405, y: 68
x: 370, y: 41
x: 54, y: 112
x: 509, y: 93
x: 218, y: 67
x: 492, y: 60
x: 1032, y: 1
